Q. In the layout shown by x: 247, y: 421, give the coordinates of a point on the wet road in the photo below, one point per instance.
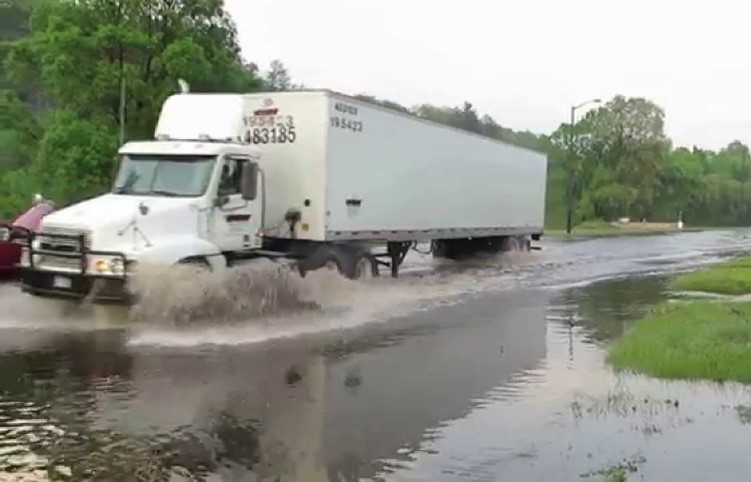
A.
x: 486, y: 371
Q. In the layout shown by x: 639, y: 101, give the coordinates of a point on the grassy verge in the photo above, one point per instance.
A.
x: 691, y: 340
x: 731, y: 278
x: 598, y: 228
x: 695, y: 339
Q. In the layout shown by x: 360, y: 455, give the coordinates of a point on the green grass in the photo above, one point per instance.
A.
x: 691, y: 340
x: 588, y: 228
x: 599, y: 228
x: 731, y: 278
x: 595, y: 226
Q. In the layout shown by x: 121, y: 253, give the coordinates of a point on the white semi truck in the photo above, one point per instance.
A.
x: 314, y: 176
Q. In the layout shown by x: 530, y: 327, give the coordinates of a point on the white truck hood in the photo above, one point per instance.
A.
x: 109, y: 219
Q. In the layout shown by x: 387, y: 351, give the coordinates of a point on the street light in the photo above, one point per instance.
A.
x: 570, y: 186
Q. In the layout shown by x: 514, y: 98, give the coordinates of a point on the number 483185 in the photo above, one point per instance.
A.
x: 279, y: 134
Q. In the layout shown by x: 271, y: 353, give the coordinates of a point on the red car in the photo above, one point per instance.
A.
x: 11, y: 234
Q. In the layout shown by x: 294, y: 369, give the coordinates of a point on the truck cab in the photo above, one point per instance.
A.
x: 172, y: 202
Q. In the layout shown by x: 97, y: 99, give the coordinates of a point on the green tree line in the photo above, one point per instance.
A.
x: 67, y: 62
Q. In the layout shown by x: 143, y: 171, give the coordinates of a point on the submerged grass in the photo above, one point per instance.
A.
x: 731, y: 278
x: 744, y: 414
x: 619, y: 472
x: 691, y: 340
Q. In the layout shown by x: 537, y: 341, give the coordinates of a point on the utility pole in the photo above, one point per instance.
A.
x: 122, y: 107
x: 570, y: 175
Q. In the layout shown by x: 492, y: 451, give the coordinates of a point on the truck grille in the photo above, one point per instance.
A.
x: 44, y: 261
x: 63, y: 241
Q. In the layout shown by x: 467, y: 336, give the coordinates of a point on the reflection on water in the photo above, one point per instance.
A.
x: 605, y: 309
x: 428, y: 381
x: 300, y: 410
x: 509, y: 384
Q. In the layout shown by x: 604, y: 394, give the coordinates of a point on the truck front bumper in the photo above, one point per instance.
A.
x: 75, y: 286
x: 77, y: 280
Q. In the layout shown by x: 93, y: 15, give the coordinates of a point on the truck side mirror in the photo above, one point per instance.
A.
x: 249, y: 182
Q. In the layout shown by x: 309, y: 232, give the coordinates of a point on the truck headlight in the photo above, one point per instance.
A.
x: 4, y: 234
x: 108, y: 266
x: 117, y: 266
x: 101, y: 266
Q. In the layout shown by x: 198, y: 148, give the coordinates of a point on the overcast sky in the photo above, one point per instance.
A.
x: 525, y: 62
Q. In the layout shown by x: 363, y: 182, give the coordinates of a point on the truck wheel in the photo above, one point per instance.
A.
x: 332, y: 264
x: 439, y: 248
x: 324, y: 257
x: 493, y: 244
x: 351, y: 262
x: 517, y: 243
x: 454, y: 249
x: 365, y: 267
x: 197, y: 265
x: 511, y: 243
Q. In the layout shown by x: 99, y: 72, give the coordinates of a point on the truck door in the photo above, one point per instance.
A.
x: 235, y: 220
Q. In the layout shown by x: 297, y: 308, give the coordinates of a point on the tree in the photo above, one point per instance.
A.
x: 75, y: 157
x: 78, y: 54
x: 683, y: 182
x: 278, y: 77
x: 441, y: 115
x: 19, y: 132
x: 81, y: 51
x: 466, y: 118
x: 626, y: 138
x: 14, y: 17
x: 736, y: 155
x: 383, y: 103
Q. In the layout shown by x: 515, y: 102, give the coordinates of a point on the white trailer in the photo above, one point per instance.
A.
x: 311, y: 175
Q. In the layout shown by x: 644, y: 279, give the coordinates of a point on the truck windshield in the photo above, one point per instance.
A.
x: 186, y: 176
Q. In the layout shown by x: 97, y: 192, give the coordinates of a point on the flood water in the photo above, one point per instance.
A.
x: 492, y: 370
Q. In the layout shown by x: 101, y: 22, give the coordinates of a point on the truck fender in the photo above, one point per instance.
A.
x: 178, y: 249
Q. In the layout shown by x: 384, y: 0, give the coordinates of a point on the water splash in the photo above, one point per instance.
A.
x: 264, y: 301
x: 183, y: 295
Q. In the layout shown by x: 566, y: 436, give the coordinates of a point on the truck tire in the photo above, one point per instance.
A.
x: 321, y: 257
x: 439, y: 248
x: 517, y: 243
x: 352, y: 262
x: 456, y: 249
x: 493, y: 244
x: 365, y: 267
x: 197, y: 265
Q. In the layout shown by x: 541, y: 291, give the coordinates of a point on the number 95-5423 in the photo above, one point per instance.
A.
x: 348, y: 124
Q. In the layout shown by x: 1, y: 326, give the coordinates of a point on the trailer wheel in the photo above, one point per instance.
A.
x: 517, y: 243
x: 324, y: 257
x: 332, y: 264
x: 353, y: 262
x: 511, y: 244
x: 365, y: 267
